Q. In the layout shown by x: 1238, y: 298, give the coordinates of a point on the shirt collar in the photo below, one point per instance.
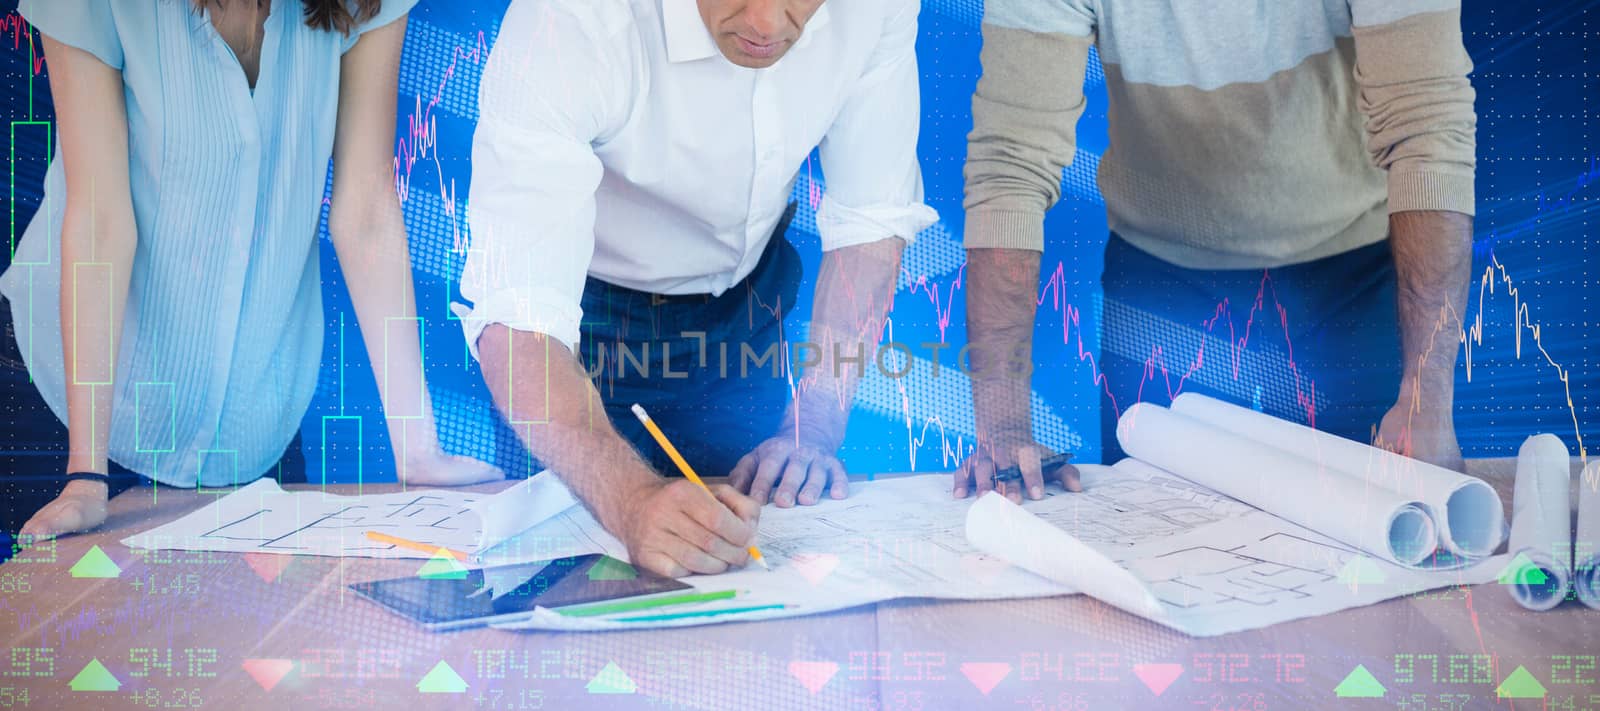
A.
x: 688, y: 39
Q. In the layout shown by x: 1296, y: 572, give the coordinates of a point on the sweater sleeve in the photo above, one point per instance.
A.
x: 1024, y: 117
x: 1421, y: 127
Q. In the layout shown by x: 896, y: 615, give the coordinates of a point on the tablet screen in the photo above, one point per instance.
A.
x: 511, y: 589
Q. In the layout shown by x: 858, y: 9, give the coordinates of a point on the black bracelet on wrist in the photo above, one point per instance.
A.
x: 87, y: 476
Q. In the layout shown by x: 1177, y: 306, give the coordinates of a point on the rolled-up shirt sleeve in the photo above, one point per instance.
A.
x: 550, y: 89
x: 869, y: 155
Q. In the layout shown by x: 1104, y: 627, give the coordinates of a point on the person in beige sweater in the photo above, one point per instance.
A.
x: 1317, y: 153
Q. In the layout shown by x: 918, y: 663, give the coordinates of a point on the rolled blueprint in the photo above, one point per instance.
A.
x: 1468, y: 513
x: 1587, y: 546
x: 1326, y: 500
x: 1541, y: 517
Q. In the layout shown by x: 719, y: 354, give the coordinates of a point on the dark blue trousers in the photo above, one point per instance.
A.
x: 716, y: 395
x: 1316, y: 343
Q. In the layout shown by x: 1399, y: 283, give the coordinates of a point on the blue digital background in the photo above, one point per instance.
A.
x: 1537, y: 65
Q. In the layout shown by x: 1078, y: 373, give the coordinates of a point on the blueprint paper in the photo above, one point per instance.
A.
x: 1469, y: 515
x: 1373, y: 519
x: 1206, y: 564
x: 263, y: 518
x: 1586, y: 545
x: 1541, y: 516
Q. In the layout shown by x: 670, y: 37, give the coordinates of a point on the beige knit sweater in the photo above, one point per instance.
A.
x: 1244, y: 133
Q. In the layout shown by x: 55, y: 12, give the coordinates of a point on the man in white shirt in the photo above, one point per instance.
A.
x: 631, y: 177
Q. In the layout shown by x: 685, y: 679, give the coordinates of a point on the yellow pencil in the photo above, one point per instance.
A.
x: 684, y: 467
x: 413, y: 545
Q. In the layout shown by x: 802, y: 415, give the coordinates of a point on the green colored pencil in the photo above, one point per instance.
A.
x: 611, y: 608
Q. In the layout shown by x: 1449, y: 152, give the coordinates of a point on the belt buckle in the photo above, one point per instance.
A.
x: 659, y: 299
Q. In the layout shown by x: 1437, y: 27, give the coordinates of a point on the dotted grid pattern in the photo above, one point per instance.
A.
x: 433, y: 228
x: 1536, y: 72
x: 941, y: 407
x: 940, y: 413
x: 1139, y: 332
x: 937, y: 249
x: 431, y: 49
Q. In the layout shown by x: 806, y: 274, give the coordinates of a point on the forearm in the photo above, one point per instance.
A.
x: 373, y: 253
x: 547, y: 398
x: 1433, y: 262
x: 854, y: 293
x: 96, y: 260
x: 1002, y: 298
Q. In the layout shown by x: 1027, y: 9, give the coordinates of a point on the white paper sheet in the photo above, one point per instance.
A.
x: 1469, y: 515
x: 1010, y: 533
x: 1541, y: 517
x: 1587, y: 542
x: 891, y: 539
x: 1324, y: 499
x: 1185, y: 556
x: 1243, y: 572
x: 263, y: 518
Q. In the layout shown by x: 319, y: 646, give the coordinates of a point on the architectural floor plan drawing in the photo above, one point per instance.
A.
x: 1237, y: 567
x: 1206, y: 575
x: 1140, y: 538
x: 263, y: 518
x: 1143, y: 539
x: 448, y: 520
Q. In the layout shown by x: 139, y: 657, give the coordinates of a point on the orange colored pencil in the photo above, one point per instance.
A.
x: 414, y: 545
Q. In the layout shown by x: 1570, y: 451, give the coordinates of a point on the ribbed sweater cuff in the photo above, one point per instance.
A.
x: 1005, y: 229
x: 1431, y: 191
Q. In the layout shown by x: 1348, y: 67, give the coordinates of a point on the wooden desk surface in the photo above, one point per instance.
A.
x: 176, y: 630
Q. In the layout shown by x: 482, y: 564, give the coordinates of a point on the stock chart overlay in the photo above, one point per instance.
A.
x: 1199, y: 567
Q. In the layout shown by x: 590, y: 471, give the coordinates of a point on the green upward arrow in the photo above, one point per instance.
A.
x: 1522, y: 571
x: 611, y: 680
x: 94, y: 677
x: 1359, y: 684
x: 608, y: 568
x: 442, y: 680
x: 442, y: 566
x: 95, y: 564
x: 1520, y: 685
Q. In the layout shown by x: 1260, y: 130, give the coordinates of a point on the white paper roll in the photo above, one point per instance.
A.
x: 1323, y: 499
x: 1541, y: 515
x: 1469, y: 514
x: 1587, y: 543
x: 1006, y: 531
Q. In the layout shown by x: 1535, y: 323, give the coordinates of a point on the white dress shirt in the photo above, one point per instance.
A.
x: 615, y: 141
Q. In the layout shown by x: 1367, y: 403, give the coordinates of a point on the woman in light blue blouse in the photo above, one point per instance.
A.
x: 166, y: 299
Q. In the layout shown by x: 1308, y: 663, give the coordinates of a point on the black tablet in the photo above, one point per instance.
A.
x: 472, y: 598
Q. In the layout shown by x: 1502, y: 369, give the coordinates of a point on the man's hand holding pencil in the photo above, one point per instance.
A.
x: 680, y: 527
x: 676, y: 529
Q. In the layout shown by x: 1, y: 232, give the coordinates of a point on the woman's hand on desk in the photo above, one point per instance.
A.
x: 80, y: 507
x: 787, y: 471
x: 436, y: 468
